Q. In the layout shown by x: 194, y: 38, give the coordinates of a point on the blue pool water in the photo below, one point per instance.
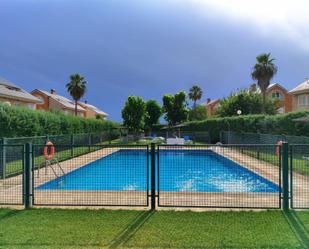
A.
x: 179, y: 170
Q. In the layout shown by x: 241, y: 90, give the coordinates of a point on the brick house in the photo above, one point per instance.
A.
x: 92, y: 111
x: 14, y: 95
x: 52, y: 101
x: 212, y: 106
x: 300, y: 96
x: 278, y: 92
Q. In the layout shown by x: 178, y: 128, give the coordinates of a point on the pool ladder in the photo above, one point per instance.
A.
x: 50, y: 164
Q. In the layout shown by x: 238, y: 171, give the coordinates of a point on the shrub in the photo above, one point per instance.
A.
x: 21, y: 121
x: 248, y: 102
x: 273, y: 124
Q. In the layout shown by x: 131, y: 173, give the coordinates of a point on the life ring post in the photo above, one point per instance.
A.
x: 278, y: 147
x: 49, y: 150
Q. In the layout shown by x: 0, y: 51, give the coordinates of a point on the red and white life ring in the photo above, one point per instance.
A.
x: 50, y: 155
x: 278, y: 147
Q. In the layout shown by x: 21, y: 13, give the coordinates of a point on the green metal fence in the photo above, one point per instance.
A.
x: 299, y: 176
x: 85, y: 139
x: 122, y: 178
x: 230, y: 137
x: 168, y: 175
x: 12, y: 188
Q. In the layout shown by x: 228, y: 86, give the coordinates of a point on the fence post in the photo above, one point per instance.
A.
x: 291, y: 176
x: 101, y: 137
x: 285, y: 175
x: 3, y: 159
x: 194, y: 138
x: 89, y: 142
x: 28, y: 174
x: 153, y: 176
x: 72, y: 145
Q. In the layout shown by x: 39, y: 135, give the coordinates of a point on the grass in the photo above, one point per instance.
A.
x: 55, y: 228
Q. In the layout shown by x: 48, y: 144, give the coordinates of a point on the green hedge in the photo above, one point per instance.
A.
x: 21, y: 121
x: 273, y: 124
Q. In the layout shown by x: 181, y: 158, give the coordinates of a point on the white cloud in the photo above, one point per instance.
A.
x: 286, y: 19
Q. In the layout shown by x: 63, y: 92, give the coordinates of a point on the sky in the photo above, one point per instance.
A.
x: 150, y: 47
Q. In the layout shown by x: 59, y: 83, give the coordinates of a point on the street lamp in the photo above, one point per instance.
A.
x: 239, y: 113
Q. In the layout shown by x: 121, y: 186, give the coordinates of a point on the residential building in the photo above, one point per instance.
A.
x: 52, y: 101
x: 92, y: 111
x: 284, y: 98
x: 300, y: 96
x: 212, y: 106
x: 14, y: 95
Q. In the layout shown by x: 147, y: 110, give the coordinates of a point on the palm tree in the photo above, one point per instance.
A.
x: 195, y: 94
x: 77, y: 88
x: 263, y: 71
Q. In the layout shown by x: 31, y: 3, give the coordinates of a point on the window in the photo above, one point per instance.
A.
x: 276, y: 95
x: 7, y: 103
x: 303, y: 100
x: 13, y: 88
x: 41, y: 99
x: 31, y: 106
x: 281, y: 110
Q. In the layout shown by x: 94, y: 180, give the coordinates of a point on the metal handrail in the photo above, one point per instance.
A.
x: 51, y: 166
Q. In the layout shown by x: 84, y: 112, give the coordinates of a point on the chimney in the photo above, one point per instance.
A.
x: 86, y: 101
x: 208, y: 100
x: 52, y: 91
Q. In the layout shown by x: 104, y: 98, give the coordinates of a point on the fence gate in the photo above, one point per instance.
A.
x: 299, y: 176
x: 96, y: 175
x: 231, y: 176
x: 11, y: 174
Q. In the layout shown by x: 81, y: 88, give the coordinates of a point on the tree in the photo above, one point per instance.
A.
x: 263, y: 71
x: 195, y: 94
x: 77, y: 88
x: 199, y: 112
x: 153, y: 114
x: 248, y: 102
x: 133, y: 113
x: 175, y: 108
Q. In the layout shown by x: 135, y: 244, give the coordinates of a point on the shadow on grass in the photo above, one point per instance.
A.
x: 131, y: 229
x: 10, y: 213
x: 298, y: 228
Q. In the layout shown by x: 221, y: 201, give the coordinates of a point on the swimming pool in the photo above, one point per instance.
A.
x: 179, y: 171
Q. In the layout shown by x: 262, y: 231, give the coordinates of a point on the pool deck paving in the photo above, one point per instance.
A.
x: 11, y: 188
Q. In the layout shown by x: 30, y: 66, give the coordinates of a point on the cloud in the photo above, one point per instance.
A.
x: 272, y: 18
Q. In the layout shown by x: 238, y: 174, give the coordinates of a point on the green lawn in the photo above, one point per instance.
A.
x: 54, y: 228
